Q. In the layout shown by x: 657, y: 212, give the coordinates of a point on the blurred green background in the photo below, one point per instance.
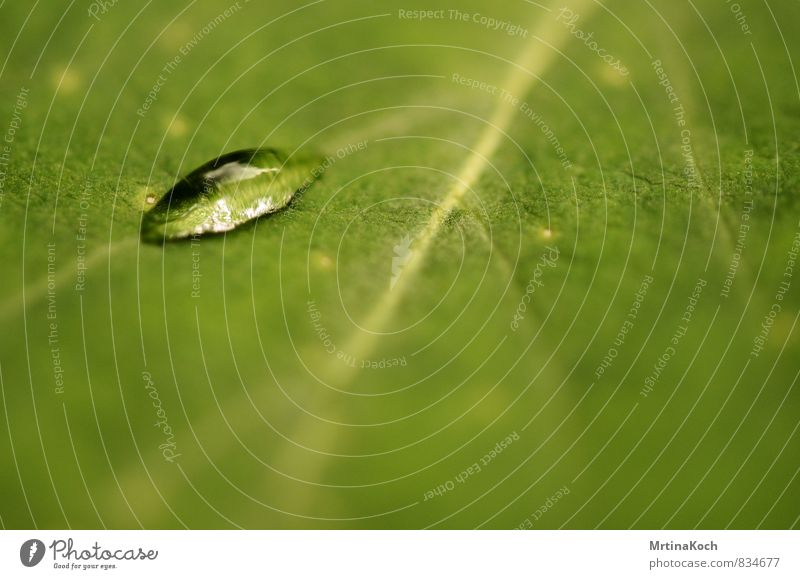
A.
x: 300, y: 372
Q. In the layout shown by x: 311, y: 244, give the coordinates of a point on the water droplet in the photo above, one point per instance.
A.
x: 322, y: 260
x: 176, y: 126
x: 229, y: 191
x: 67, y: 80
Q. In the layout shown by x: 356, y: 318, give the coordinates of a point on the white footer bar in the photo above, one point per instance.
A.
x: 389, y: 554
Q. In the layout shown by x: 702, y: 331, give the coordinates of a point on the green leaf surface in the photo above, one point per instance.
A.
x: 530, y: 290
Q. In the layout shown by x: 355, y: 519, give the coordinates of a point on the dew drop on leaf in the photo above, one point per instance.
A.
x: 228, y: 191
